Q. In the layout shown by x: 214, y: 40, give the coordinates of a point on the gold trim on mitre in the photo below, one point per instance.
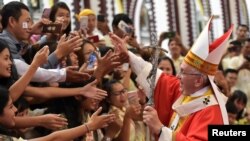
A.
x: 200, y: 64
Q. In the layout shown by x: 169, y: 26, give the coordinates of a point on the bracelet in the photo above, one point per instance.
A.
x: 107, y: 139
x: 87, y: 127
x: 160, y: 131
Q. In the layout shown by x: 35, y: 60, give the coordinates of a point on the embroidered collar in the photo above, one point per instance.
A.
x: 206, y: 99
x: 200, y: 92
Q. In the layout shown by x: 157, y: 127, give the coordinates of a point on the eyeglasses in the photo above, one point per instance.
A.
x: 117, y: 93
x: 181, y: 73
x: 90, y: 52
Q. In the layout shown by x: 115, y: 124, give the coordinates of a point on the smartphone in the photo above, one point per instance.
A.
x: 94, y: 39
x: 52, y: 28
x: 46, y: 13
x: 84, y: 22
x: 92, y: 61
x: 125, y: 28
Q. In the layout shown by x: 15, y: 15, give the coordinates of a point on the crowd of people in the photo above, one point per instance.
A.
x: 91, y: 83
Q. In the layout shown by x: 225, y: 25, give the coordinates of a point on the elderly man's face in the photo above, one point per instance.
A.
x: 188, y: 76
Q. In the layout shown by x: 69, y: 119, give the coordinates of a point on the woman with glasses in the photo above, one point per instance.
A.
x: 123, y: 128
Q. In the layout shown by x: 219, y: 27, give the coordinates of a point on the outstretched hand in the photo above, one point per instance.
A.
x: 91, y: 91
x: 41, y: 57
x: 53, y: 121
x: 66, y: 46
x: 99, y: 121
x: 72, y: 75
x: 106, y: 64
x: 120, y: 47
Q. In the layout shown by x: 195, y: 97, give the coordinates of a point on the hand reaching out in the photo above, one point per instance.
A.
x: 53, y: 121
x: 91, y: 91
x: 99, y: 121
x: 65, y: 46
x: 41, y: 57
x: 120, y: 47
x: 119, y: 44
x: 106, y: 64
x: 72, y: 75
x: 37, y: 27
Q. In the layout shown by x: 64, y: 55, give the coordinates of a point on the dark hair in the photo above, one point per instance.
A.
x: 171, y: 62
x: 21, y: 104
x: 4, y: 98
x: 230, y: 71
x: 166, y: 35
x: 3, y: 45
x: 231, y: 108
x: 121, y: 17
x: 243, y: 25
x: 103, y: 50
x: 7, y: 82
x: 235, y: 43
x: 238, y: 95
x: 101, y: 18
x: 109, y: 85
x: 53, y: 11
x: 12, y: 9
x: 80, y: 53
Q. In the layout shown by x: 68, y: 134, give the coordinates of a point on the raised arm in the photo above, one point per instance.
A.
x: 19, y: 86
x: 139, y: 66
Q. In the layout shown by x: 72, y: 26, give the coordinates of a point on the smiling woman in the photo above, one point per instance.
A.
x: 5, y: 62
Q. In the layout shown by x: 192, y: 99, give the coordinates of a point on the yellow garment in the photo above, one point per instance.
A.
x: 120, y: 114
x: 140, y: 130
x: 20, y: 139
x: 85, y: 12
x: 188, y: 99
x: 119, y: 6
x: 242, y: 121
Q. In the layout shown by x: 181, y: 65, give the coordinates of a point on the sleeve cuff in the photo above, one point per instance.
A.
x: 166, y: 134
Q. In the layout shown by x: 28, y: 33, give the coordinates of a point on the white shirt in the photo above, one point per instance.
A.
x: 41, y: 75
